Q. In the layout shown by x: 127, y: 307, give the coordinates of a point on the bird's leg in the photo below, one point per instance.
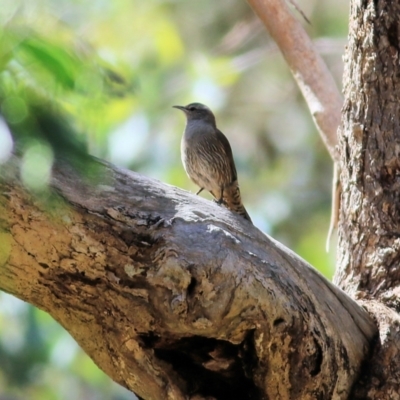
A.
x: 201, y: 189
x: 221, y: 199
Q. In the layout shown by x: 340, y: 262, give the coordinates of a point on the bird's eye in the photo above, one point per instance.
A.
x: 192, y: 108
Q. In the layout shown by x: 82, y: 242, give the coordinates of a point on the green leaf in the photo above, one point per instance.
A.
x: 63, y: 66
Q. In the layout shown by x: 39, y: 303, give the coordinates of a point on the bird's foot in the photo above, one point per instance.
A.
x: 219, y: 201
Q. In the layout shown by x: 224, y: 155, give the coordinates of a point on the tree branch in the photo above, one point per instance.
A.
x: 172, y: 295
x: 313, y: 77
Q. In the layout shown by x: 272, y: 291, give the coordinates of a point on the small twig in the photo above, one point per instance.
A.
x: 299, y: 10
x: 336, y: 192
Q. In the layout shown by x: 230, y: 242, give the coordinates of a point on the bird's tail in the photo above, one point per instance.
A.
x: 233, y: 200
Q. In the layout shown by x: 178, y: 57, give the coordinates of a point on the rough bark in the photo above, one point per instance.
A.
x: 369, y: 236
x: 175, y: 297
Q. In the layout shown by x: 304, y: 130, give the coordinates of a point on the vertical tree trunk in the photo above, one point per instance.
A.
x: 370, y: 148
x: 369, y: 144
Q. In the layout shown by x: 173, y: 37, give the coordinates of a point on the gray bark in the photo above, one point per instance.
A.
x: 173, y: 296
x: 369, y: 146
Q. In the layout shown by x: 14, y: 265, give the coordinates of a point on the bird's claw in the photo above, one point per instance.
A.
x: 219, y: 201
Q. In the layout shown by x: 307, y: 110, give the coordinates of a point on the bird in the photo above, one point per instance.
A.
x: 207, y: 158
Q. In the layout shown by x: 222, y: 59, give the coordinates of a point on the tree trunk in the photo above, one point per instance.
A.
x: 175, y: 297
x: 369, y: 144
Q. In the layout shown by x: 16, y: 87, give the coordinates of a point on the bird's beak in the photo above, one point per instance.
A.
x: 180, y: 108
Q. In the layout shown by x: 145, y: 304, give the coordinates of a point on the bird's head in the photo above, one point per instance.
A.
x: 197, y: 111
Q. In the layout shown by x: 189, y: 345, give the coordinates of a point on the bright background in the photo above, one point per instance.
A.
x: 115, y: 68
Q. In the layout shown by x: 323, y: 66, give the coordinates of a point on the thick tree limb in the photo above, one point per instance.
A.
x: 313, y: 77
x: 175, y: 297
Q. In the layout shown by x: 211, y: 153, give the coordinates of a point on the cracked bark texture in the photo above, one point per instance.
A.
x: 173, y: 296
x: 369, y: 146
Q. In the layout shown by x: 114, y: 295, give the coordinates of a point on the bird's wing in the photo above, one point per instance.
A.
x: 228, y: 150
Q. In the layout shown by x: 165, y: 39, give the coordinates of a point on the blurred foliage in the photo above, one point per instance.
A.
x: 101, y: 77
